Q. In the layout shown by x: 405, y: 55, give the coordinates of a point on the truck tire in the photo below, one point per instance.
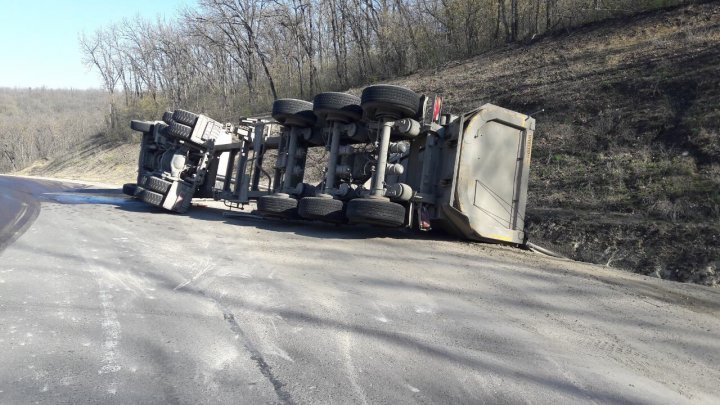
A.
x: 322, y: 209
x: 179, y: 130
x: 375, y: 212
x: 277, y: 206
x: 395, y: 101
x: 129, y: 189
x: 167, y: 117
x: 141, y: 126
x: 150, y: 197
x: 155, y: 183
x: 340, y: 105
x: 292, y: 111
x: 185, y: 117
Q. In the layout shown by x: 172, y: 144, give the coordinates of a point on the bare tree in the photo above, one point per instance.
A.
x: 98, y: 51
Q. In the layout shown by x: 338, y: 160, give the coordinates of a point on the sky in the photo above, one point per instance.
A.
x: 39, y: 38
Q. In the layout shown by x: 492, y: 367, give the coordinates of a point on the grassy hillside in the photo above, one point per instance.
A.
x: 626, y: 162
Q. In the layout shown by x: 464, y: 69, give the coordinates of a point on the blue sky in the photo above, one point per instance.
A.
x: 39, y: 38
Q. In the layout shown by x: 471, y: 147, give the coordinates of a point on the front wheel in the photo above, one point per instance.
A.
x: 150, y: 197
x: 157, y: 184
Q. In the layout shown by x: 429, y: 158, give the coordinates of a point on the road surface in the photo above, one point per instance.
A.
x: 106, y: 300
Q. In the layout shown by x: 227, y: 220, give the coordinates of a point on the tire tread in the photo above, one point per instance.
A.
x: 385, y: 97
x: 150, y: 197
x: 157, y: 184
x: 375, y: 212
x: 323, y: 209
x: 179, y: 130
x: 185, y: 117
x: 276, y: 206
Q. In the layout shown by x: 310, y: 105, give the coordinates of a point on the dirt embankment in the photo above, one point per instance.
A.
x: 97, y: 159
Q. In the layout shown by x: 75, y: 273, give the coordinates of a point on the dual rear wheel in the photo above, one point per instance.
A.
x: 377, y: 103
x: 372, y: 211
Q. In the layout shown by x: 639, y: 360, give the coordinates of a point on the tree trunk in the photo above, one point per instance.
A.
x: 515, y: 20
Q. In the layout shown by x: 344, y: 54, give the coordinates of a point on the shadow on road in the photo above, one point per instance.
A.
x: 313, y: 229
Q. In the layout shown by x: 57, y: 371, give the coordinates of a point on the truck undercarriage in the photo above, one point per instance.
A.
x: 389, y: 158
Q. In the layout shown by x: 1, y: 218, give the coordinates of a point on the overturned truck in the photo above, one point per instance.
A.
x: 389, y: 158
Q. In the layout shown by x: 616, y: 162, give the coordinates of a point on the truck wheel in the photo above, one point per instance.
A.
x: 167, y: 117
x: 155, y: 183
x: 295, y: 112
x: 185, y: 117
x: 129, y: 189
x: 323, y: 209
x: 341, y: 105
x: 375, y: 212
x: 150, y: 197
x: 141, y: 126
x: 385, y: 99
x: 179, y: 130
x: 277, y: 206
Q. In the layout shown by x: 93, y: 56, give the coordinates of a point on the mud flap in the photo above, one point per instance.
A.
x: 179, y: 197
x: 423, y: 218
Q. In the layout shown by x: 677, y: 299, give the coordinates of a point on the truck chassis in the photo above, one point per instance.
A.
x: 391, y: 158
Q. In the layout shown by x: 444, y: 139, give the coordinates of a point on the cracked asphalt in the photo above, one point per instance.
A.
x: 106, y: 300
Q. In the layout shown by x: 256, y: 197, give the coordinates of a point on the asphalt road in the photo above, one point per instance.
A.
x: 106, y: 300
